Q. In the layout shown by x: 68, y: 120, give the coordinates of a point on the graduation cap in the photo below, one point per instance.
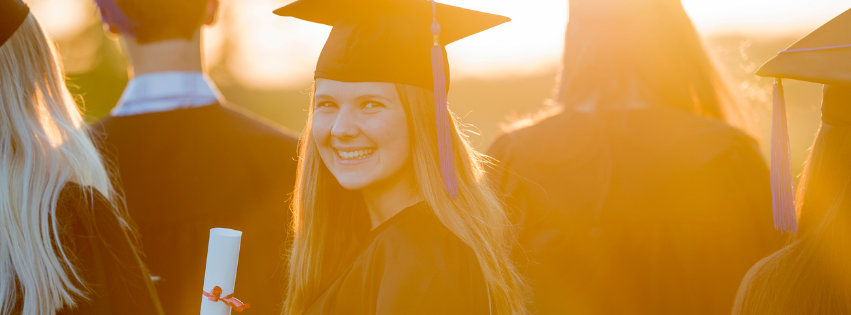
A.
x: 13, y: 13
x: 394, y: 41
x: 823, y: 56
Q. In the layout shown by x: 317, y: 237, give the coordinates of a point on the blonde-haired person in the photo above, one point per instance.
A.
x: 392, y: 213
x: 812, y: 275
x: 65, y: 248
x: 636, y: 193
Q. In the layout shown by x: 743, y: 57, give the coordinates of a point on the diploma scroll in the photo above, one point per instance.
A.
x: 220, y: 273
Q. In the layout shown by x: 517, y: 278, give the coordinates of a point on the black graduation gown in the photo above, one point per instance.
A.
x: 652, y: 211
x: 411, y: 264
x: 100, y: 248
x: 186, y: 171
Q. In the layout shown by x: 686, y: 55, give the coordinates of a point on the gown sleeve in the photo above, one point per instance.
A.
x: 427, y: 274
x: 102, y: 251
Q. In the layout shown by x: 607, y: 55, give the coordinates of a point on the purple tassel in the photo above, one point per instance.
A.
x: 782, y: 190
x: 444, y: 139
x: 112, y: 14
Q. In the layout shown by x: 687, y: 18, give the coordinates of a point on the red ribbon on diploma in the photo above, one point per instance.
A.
x: 229, y: 300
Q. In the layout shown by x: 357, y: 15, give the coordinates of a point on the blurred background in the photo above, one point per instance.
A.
x: 265, y: 63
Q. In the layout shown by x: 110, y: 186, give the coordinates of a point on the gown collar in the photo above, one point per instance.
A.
x: 166, y: 91
x: 401, y: 215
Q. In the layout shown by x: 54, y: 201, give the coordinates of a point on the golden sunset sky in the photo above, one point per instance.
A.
x: 268, y: 51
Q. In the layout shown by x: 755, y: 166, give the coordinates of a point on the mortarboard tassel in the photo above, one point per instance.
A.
x: 444, y: 140
x: 111, y: 13
x: 782, y: 190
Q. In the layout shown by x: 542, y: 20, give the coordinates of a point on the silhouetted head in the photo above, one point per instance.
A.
x: 154, y: 20
x: 623, y: 53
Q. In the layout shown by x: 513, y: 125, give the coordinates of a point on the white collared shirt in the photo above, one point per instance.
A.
x: 166, y: 91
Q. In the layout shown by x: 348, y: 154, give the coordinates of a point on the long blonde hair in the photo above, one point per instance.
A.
x: 43, y: 146
x: 812, y: 274
x: 324, y: 239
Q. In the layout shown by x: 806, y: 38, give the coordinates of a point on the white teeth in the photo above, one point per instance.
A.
x: 359, y: 154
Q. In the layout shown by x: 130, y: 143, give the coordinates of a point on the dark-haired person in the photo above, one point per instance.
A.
x: 66, y: 247
x: 188, y: 161
x: 636, y: 194
x: 812, y: 275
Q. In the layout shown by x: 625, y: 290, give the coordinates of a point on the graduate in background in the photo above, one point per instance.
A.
x: 634, y: 192
x: 66, y: 247
x: 391, y: 211
x: 813, y: 274
x: 188, y: 161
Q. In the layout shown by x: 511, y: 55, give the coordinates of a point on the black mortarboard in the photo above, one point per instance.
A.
x: 394, y: 41
x: 12, y: 15
x: 823, y: 56
x: 385, y: 40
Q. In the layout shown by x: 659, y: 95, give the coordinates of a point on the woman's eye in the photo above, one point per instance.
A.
x: 371, y: 105
x: 325, y: 105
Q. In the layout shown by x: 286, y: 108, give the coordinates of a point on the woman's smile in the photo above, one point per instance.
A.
x: 350, y: 156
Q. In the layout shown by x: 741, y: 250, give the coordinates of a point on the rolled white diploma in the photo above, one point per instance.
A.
x: 222, y: 257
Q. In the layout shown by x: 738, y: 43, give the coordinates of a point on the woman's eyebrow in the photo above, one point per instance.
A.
x: 373, y: 96
x: 323, y: 97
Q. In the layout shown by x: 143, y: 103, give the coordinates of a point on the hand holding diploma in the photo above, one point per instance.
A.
x: 220, y: 273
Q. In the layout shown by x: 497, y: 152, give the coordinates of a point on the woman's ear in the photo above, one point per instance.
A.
x: 210, y: 14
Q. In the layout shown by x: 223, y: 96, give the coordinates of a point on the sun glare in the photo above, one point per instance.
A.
x: 764, y: 17
x: 271, y: 51
x: 65, y: 18
x: 275, y: 52
x: 266, y: 51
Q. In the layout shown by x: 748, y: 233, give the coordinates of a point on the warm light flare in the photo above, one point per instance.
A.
x: 63, y: 19
x: 270, y: 51
x: 266, y: 51
x: 51, y: 130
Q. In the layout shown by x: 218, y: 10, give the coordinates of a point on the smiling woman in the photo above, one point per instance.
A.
x: 376, y: 229
x: 392, y: 213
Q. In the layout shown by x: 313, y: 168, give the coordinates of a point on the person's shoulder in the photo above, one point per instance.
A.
x: 111, y: 131
x: 765, y: 276
x: 532, y: 133
x: 421, y: 267
x: 420, y: 237
x: 526, y: 127
x: 254, y: 124
x: 694, y: 125
x: 102, y: 123
x: 762, y: 271
x: 714, y: 139
x: 101, y: 127
x: 685, y: 142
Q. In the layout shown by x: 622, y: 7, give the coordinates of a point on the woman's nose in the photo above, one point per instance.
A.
x: 345, y: 125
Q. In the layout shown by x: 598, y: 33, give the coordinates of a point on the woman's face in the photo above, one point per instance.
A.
x: 361, y: 131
